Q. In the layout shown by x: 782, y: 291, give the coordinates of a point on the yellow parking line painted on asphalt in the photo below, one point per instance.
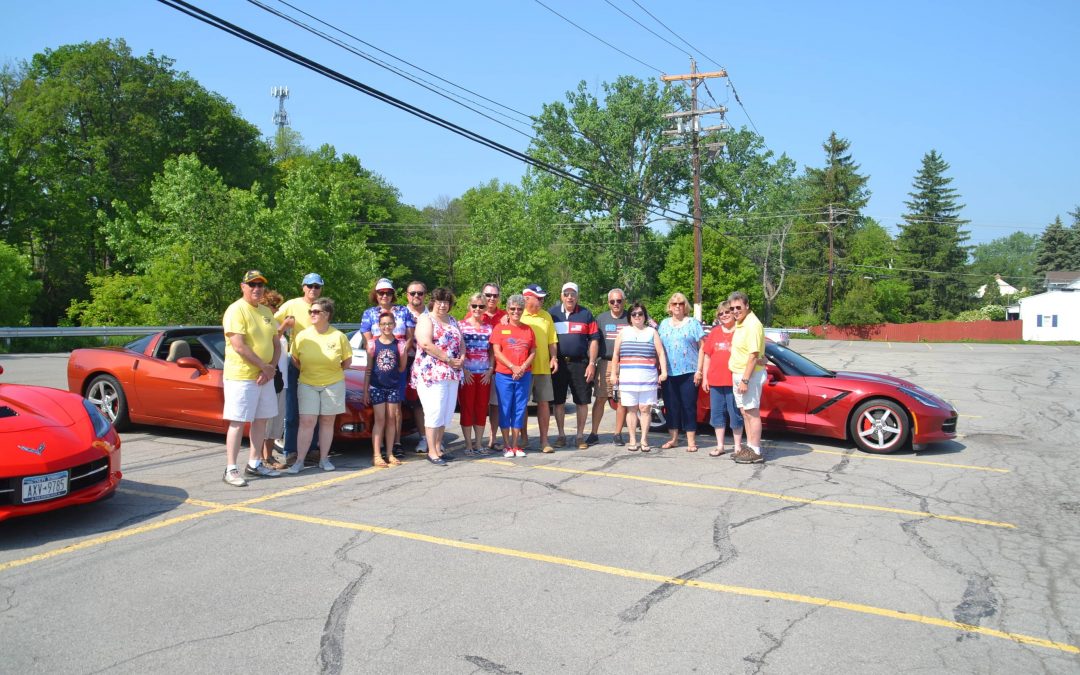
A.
x: 341, y: 478
x: 108, y: 538
x: 757, y: 493
x: 665, y: 579
x: 974, y: 417
x: 886, y: 458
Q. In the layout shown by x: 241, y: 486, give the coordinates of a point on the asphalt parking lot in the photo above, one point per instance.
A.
x: 961, y: 558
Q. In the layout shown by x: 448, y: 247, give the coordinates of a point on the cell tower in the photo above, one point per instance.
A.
x: 281, y: 117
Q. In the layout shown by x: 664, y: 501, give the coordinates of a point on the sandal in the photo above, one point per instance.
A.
x: 691, y: 448
x: 716, y: 452
x: 646, y: 448
x: 394, y: 461
x: 669, y: 445
x: 379, y: 463
x: 631, y: 448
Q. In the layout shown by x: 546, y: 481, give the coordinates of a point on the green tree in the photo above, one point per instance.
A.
x: 88, y: 125
x: 872, y: 257
x: 749, y: 194
x: 931, y: 243
x: 1012, y: 256
x: 19, y: 290
x: 833, y: 199
x: 724, y: 269
x: 616, y: 143
x: 1059, y: 247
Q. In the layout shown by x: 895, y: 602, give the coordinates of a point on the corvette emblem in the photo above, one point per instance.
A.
x: 37, y: 451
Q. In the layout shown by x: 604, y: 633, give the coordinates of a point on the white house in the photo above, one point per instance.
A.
x: 1004, y: 288
x: 1054, y: 315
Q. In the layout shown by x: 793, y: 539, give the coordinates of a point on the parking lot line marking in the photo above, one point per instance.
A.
x: 974, y: 417
x: 299, y: 489
x: 758, y: 493
x: 665, y: 579
x: 912, y: 461
x: 111, y: 537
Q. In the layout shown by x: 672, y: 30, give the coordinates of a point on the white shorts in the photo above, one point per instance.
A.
x: 246, y: 401
x: 633, y: 399
x: 328, y: 400
x: 438, y: 400
x: 751, y: 398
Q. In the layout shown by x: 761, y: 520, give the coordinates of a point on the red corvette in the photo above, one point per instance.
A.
x: 57, y: 450
x: 173, y: 379
x: 879, y: 413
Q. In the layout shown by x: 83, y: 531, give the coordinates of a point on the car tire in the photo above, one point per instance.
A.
x: 657, y: 419
x: 879, y: 426
x: 108, y: 396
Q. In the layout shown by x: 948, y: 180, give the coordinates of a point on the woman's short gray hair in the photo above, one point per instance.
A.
x: 517, y: 300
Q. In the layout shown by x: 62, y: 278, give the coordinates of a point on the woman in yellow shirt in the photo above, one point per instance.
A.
x: 322, y: 353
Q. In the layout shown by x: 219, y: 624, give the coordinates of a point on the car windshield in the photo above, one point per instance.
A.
x: 794, y: 363
x: 215, y: 342
x: 139, y: 346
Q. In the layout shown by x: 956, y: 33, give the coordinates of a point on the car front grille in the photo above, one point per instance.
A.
x: 79, y: 478
x: 949, y: 425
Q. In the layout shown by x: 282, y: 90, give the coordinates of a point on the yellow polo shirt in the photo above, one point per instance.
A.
x: 320, y: 356
x: 259, y: 329
x: 544, y: 329
x: 298, y: 309
x: 749, y: 337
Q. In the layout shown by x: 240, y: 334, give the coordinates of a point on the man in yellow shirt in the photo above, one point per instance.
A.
x: 293, y: 317
x: 251, y: 355
x: 747, y: 374
x: 546, y: 361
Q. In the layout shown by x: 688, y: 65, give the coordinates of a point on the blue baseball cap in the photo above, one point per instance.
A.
x: 313, y: 278
x: 534, y: 290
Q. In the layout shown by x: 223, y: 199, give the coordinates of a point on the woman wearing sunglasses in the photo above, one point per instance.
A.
x: 716, y: 352
x: 322, y: 353
x: 639, y: 365
x: 475, y: 387
x: 681, y: 335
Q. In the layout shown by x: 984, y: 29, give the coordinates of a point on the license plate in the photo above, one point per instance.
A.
x: 40, y: 488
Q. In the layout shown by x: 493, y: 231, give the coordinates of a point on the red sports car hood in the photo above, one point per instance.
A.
x: 34, y: 407
x: 891, y: 381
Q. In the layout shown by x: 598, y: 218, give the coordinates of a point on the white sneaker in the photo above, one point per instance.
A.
x: 519, y: 452
x: 233, y: 477
x: 296, y: 468
x: 422, y: 445
x: 325, y: 465
x: 509, y: 453
x: 260, y: 469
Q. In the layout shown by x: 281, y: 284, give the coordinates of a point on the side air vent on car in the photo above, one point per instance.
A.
x: 6, y: 411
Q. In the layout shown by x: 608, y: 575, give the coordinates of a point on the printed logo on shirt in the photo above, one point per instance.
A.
x: 506, y: 331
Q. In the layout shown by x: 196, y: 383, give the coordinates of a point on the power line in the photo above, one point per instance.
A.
x: 248, y: 36
x: 623, y: 12
x: 597, y: 37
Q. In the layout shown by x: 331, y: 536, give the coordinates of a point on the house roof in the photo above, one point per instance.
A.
x: 1062, y: 277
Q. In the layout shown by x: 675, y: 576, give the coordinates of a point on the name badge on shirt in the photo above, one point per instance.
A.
x: 506, y: 331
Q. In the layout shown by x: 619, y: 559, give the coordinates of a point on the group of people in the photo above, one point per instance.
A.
x: 285, y: 363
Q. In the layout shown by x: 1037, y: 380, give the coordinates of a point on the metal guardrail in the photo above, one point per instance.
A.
x: 103, y: 331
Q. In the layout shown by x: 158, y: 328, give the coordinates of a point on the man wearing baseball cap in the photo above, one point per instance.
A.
x: 545, y: 363
x: 579, y: 355
x: 251, y: 355
x: 293, y: 317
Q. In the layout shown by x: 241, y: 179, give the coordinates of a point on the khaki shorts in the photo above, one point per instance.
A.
x: 328, y: 400
x: 751, y: 398
x: 600, y: 383
x: 542, y: 391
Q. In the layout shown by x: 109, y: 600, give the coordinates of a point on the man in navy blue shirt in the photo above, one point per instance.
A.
x: 579, y: 351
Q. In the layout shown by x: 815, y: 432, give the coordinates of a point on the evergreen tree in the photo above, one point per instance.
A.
x: 931, y: 242
x: 835, y: 195
x: 1059, y: 247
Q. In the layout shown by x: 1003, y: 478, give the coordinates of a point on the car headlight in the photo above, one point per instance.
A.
x: 922, y: 397
x: 101, y: 424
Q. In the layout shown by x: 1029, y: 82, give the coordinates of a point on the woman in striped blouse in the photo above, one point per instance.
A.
x: 639, y: 365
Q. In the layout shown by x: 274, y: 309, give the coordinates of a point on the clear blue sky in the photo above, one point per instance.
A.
x: 992, y: 86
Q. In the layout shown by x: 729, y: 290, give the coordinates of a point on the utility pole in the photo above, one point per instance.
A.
x: 831, y: 226
x: 688, y: 122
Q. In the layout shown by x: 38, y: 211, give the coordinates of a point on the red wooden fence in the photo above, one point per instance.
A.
x: 945, y: 331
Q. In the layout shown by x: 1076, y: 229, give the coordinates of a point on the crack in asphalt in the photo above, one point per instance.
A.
x: 331, y: 657
x: 759, y: 659
x: 488, y: 666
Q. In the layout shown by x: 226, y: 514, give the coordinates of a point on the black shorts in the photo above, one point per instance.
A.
x: 571, y: 375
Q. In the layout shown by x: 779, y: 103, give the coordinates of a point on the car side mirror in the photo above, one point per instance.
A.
x: 192, y: 362
x: 775, y: 375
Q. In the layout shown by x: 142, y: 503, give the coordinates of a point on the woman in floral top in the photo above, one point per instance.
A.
x: 436, y: 373
x: 681, y: 335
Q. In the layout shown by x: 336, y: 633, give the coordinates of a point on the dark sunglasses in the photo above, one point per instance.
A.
x: 256, y: 284
x: 491, y: 295
x: 315, y: 286
x: 515, y: 309
x: 614, y: 302
x: 725, y: 311
x: 315, y: 311
x: 417, y: 294
x: 678, y: 304
x: 384, y: 292
x: 736, y: 309
x: 476, y: 306
x: 633, y: 314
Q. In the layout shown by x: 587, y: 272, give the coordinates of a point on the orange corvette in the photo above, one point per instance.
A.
x: 173, y: 379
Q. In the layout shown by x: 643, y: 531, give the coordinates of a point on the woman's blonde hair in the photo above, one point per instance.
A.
x: 722, y: 306
x: 676, y: 296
